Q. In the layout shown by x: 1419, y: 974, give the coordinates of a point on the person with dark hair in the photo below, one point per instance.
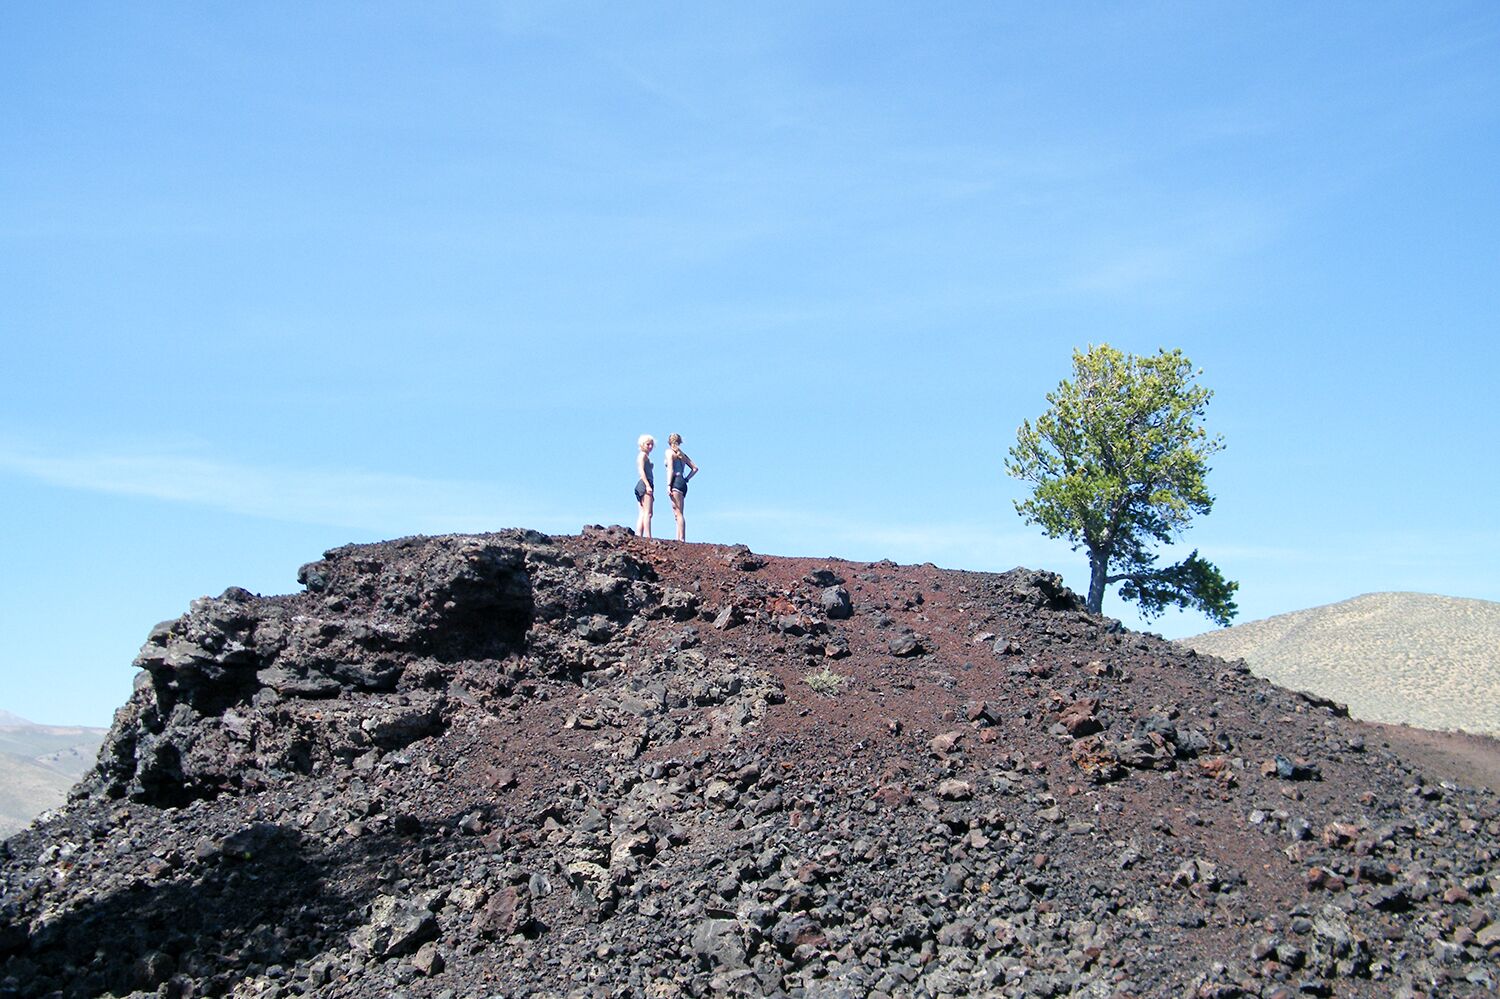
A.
x: 682, y: 469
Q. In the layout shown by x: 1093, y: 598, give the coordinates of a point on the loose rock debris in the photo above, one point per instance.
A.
x: 520, y: 765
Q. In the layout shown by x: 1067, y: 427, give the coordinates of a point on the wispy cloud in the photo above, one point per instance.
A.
x: 1180, y: 247
x: 952, y: 544
x: 1254, y: 553
x: 353, y: 498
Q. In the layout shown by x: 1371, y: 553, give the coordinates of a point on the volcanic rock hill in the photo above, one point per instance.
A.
x: 516, y: 765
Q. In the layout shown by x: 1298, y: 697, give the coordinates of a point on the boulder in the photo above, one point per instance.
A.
x: 396, y: 926
x: 717, y: 944
x: 836, y: 603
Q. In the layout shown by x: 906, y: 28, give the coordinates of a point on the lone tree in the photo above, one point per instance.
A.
x: 1117, y: 464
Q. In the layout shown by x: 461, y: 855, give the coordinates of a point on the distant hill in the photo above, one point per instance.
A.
x: 38, y: 764
x: 1412, y: 658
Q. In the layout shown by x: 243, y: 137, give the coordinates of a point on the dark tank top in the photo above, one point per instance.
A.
x: 678, y: 467
x: 649, y: 480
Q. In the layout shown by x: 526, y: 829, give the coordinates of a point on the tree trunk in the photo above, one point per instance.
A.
x: 1098, y: 574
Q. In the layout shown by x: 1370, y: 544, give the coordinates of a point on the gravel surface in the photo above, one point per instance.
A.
x: 514, y: 765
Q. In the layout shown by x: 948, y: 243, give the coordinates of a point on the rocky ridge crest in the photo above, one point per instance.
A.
x: 520, y: 765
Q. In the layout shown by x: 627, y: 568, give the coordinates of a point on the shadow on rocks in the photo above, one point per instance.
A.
x: 262, y: 898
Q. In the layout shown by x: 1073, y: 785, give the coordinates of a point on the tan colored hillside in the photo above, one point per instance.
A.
x: 38, y: 764
x: 1407, y: 658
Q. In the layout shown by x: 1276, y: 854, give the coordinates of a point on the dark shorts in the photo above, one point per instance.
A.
x: 640, y: 490
x: 679, y: 484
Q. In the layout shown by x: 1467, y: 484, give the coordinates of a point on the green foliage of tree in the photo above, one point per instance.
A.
x: 1117, y: 465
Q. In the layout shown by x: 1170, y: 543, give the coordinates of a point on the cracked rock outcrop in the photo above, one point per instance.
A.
x: 520, y: 765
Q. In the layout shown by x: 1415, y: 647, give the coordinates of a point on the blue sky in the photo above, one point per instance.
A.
x: 279, y: 277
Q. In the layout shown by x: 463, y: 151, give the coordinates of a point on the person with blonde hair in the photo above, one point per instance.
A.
x: 644, y: 485
x: 682, y: 469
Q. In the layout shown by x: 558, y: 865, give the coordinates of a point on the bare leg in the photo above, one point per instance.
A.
x: 643, y: 519
x: 677, y: 500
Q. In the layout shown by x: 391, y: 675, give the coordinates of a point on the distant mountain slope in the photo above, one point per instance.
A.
x: 38, y: 764
x: 1412, y: 658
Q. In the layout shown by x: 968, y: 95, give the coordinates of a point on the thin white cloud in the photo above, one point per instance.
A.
x: 1178, y: 248
x: 1226, y: 554
x: 952, y: 544
x: 1151, y: 265
x: 374, y: 501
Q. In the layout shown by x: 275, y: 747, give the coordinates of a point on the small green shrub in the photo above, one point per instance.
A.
x: 825, y: 681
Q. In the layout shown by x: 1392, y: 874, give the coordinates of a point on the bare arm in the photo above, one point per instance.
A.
x: 689, y: 463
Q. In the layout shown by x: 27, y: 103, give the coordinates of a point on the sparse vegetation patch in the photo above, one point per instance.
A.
x: 825, y: 681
